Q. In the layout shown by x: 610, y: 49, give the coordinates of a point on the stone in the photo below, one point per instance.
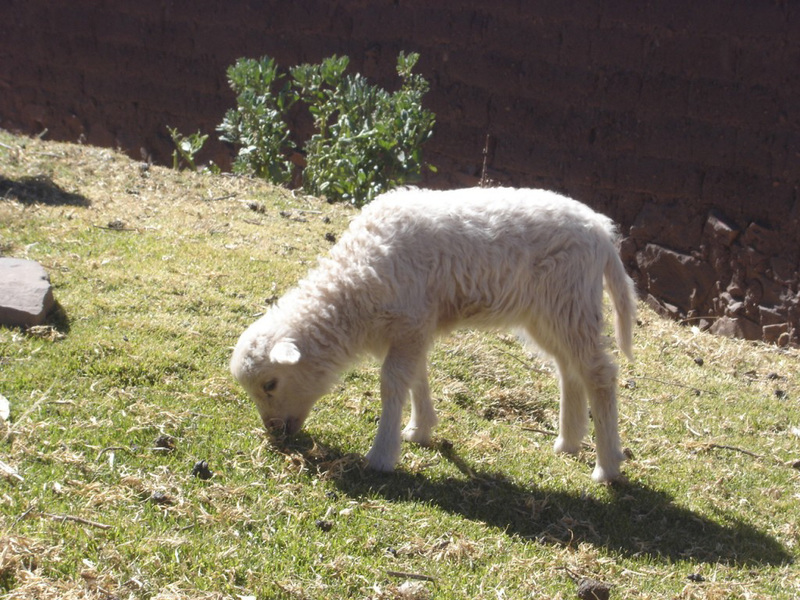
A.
x: 26, y: 295
x: 667, y: 225
x: 769, y: 315
x: 663, y: 308
x: 777, y: 334
x: 784, y: 269
x: 762, y: 239
x: 675, y: 278
x: 737, y: 327
x: 5, y: 408
x: 591, y: 589
x: 719, y: 229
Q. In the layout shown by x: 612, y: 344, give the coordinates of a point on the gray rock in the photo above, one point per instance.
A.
x: 737, y: 327
x: 26, y: 295
x: 675, y: 278
x: 719, y: 229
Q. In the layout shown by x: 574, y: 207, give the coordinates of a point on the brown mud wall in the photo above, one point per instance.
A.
x: 681, y: 119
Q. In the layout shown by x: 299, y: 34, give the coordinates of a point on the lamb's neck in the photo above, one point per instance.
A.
x: 333, y: 324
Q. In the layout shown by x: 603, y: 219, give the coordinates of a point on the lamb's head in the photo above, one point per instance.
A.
x: 283, y: 383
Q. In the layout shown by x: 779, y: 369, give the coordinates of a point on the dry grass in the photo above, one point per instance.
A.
x: 157, y: 272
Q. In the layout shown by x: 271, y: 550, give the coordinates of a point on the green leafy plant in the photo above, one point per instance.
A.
x: 257, y: 123
x: 186, y: 147
x: 366, y: 141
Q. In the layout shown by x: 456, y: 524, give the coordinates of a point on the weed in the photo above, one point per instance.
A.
x: 186, y: 148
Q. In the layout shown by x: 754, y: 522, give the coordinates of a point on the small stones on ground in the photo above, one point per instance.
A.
x: 201, y: 470
x: 162, y: 498
x: 591, y: 589
x: 324, y: 525
x: 257, y: 207
x: 288, y: 214
x: 5, y: 408
x: 116, y: 225
x: 699, y: 361
x: 446, y: 445
x: 164, y: 443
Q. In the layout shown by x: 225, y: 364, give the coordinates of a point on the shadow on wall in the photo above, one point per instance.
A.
x: 39, y: 190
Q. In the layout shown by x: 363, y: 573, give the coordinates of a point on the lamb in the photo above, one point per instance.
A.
x: 419, y: 263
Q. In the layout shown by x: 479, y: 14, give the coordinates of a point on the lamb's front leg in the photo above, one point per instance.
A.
x: 423, y: 416
x: 397, y: 375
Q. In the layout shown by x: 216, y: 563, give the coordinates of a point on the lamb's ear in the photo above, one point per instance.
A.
x: 284, y: 353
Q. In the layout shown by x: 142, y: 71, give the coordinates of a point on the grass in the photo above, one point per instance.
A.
x: 157, y: 272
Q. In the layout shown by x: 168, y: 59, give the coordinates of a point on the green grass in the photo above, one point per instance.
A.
x: 139, y: 349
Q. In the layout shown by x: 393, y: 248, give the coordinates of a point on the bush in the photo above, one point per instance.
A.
x: 257, y: 124
x: 366, y: 140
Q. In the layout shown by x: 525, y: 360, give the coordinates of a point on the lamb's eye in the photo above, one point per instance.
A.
x: 270, y: 386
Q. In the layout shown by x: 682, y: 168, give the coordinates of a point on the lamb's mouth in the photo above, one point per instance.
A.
x: 287, y: 426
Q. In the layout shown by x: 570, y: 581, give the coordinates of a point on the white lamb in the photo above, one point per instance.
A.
x: 419, y: 263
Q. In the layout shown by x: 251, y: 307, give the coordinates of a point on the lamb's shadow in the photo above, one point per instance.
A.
x: 39, y: 190
x: 637, y: 521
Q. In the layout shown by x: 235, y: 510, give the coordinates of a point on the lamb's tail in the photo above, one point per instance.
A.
x: 623, y: 297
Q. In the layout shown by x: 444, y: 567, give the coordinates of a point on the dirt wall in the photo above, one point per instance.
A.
x: 680, y: 119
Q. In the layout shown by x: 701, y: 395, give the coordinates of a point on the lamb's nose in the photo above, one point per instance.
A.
x: 292, y: 425
x: 274, y: 425
x: 288, y: 426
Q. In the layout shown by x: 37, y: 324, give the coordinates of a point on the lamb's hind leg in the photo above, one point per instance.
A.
x: 586, y: 371
x: 423, y: 416
x: 601, y: 386
x: 573, y: 420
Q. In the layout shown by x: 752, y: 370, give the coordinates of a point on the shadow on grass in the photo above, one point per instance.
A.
x: 638, y: 521
x: 39, y: 190
x: 55, y: 327
x: 58, y: 319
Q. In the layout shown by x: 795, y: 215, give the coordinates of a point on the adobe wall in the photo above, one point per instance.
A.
x: 679, y: 118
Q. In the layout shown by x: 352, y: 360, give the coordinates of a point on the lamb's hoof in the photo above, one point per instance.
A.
x: 607, y: 475
x: 562, y: 446
x: 416, y: 435
x: 380, y: 462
